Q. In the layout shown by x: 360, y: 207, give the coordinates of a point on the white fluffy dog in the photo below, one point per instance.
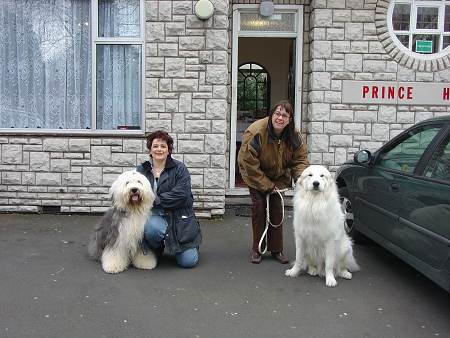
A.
x: 116, y: 240
x: 322, y: 246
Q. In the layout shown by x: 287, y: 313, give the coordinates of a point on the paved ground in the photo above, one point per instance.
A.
x: 49, y: 288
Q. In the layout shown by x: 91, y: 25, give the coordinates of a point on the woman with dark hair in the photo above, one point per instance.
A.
x: 272, y: 154
x: 172, y: 223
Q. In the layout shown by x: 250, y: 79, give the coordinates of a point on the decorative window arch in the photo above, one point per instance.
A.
x: 253, y: 89
x: 416, y: 33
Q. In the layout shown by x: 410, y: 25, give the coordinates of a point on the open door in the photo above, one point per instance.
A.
x: 266, y: 68
x: 266, y: 75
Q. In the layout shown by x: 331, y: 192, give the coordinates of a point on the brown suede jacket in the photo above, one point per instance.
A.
x: 266, y: 161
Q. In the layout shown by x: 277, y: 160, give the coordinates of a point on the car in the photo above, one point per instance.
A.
x: 399, y: 197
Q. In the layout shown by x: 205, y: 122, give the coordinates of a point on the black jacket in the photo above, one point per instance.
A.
x: 174, y: 196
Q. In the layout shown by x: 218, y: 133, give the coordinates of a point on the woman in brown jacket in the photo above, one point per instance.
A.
x: 272, y: 154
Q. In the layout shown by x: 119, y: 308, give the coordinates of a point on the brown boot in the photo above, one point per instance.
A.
x: 256, y: 257
x: 280, y: 257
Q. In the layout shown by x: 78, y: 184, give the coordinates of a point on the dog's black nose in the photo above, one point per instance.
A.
x: 316, y: 184
x: 134, y: 190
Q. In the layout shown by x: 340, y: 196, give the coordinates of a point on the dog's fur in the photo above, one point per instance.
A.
x: 116, y: 240
x: 322, y: 246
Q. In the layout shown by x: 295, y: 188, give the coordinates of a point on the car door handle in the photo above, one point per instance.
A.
x: 395, y: 187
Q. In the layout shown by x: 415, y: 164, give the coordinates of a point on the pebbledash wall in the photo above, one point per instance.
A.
x: 187, y: 92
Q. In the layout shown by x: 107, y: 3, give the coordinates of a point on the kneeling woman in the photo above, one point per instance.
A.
x: 172, y: 224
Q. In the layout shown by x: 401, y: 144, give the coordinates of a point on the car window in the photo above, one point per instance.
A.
x: 405, y: 155
x: 439, y: 165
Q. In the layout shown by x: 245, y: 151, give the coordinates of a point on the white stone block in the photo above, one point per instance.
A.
x: 39, y: 161
x: 198, y: 126
x: 48, y: 179
x: 217, y: 39
x: 188, y: 146
x: 79, y: 144
x: 174, y: 67
x: 216, y: 109
x: 55, y: 144
x: 196, y: 160
x: 60, y: 165
x: 100, y: 155
x: 319, y: 111
x: 185, y: 85
x: 318, y: 142
x: 341, y: 140
x: 10, y: 177
x: 216, y: 74
x: 215, y: 144
x: 214, y: 178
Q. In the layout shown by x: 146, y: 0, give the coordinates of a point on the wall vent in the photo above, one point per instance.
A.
x: 51, y: 209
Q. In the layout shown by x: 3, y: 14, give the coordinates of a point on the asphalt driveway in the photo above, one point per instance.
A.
x: 49, y: 288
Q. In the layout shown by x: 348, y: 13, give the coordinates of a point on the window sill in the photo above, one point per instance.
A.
x: 70, y: 132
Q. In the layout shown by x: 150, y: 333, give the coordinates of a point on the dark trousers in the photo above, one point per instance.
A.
x: 274, y: 235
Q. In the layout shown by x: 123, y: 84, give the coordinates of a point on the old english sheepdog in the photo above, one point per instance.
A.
x: 117, y: 238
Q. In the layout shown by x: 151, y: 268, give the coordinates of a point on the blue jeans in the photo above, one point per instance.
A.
x: 154, y: 233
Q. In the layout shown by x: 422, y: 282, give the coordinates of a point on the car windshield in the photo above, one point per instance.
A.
x: 405, y: 155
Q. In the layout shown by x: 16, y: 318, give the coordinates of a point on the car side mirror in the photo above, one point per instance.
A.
x: 362, y: 157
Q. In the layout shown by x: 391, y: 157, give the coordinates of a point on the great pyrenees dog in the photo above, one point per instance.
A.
x: 116, y: 240
x: 321, y: 245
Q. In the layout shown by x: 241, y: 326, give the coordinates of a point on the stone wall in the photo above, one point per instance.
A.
x: 186, y: 94
x: 187, y: 91
x: 346, y: 44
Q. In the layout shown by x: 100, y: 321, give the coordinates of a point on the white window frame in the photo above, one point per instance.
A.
x: 96, y: 40
x: 412, y: 27
x: 237, y: 33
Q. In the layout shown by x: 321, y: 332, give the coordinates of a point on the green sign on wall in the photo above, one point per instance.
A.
x: 424, y: 46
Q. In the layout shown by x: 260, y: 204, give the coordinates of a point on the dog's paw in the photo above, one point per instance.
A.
x: 113, y: 268
x: 312, y: 271
x: 112, y: 263
x: 330, y: 281
x: 145, y: 262
x: 345, y: 274
x: 293, y: 272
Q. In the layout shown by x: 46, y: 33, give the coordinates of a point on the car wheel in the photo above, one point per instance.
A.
x: 349, y: 220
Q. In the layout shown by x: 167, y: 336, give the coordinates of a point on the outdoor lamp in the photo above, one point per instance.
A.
x: 204, y: 9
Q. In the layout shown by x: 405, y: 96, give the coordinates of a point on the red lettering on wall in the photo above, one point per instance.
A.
x: 446, y: 93
x: 401, y: 92
x: 374, y: 92
x: 409, y: 93
x: 391, y: 92
x: 365, y: 90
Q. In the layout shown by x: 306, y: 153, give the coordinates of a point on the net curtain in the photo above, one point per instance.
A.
x: 45, y: 68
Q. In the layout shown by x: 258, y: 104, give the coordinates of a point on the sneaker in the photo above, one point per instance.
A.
x: 256, y: 257
x: 280, y: 257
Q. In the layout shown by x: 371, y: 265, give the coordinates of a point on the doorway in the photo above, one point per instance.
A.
x: 266, y: 68
x: 266, y: 75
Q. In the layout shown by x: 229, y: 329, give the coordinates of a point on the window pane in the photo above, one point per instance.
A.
x: 118, y: 18
x: 406, y: 154
x: 426, y: 37
x: 118, y: 86
x: 439, y: 166
x: 280, y: 22
x: 427, y: 17
x: 45, y: 63
x: 401, y: 17
x: 446, y: 42
x: 447, y: 19
x: 404, y: 39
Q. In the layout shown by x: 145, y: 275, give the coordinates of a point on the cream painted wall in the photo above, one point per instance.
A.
x: 273, y: 54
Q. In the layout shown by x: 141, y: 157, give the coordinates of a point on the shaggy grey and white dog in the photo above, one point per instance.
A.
x: 116, y: 240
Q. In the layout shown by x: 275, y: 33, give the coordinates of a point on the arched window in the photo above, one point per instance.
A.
x: 421, y: 27
x: 253, y: 91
